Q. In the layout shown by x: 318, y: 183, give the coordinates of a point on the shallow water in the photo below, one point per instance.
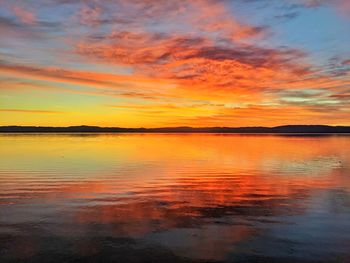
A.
x: 174, y: 198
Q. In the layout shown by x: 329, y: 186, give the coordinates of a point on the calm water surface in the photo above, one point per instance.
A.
x: 174, y: 198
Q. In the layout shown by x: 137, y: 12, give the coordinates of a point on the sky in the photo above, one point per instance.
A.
x: 156, y: 63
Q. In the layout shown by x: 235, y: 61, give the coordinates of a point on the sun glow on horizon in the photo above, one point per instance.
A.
x: 199, y: 63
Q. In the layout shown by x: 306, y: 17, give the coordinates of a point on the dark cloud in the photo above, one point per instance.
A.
x: 160, y: 48
x: 251, y: 55
x: 287, y: 16
x: 14, y: 30
x: 7, y: 22
x: 337, y: 67
x: 346, y: 62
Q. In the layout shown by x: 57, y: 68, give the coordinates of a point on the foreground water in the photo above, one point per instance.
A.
x: 174, y: 198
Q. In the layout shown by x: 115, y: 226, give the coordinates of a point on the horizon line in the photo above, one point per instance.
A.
x: 291, y: 129
x: 180, y: 126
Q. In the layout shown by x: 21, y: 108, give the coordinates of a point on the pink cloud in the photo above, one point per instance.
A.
x: 343, y: 7
x: 24, y: 15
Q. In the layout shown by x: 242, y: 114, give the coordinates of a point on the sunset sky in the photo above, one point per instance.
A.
x: 152, y: 63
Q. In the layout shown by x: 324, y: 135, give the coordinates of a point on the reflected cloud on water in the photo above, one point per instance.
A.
x: 174, y: 198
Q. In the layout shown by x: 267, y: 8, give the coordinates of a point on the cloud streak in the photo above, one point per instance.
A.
x: 200, y: 62
x: 29, y: 111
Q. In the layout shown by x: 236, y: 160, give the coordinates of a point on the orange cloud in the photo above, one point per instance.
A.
x: 191, y: 60
x: 194, y: 62
x: 94, y: 79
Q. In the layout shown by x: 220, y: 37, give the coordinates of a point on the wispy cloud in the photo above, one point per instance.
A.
x: 187, y: 62
x: 29, y: 111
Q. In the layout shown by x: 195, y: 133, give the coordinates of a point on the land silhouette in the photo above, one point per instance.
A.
x: 309, y: 129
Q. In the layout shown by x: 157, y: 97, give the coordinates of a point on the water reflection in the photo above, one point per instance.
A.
x: 174, y: 197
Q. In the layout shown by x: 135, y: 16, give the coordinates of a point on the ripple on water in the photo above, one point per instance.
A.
x: 174, y: 198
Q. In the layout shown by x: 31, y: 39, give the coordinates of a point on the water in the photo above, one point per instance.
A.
x: 174, y: 198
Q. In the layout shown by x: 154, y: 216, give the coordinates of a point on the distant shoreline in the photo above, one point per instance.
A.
x: 286, y: 129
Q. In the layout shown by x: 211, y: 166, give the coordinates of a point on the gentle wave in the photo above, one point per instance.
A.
x: 179, y: 198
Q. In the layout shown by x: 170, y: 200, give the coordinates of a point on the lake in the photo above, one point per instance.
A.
x: 174, y: 198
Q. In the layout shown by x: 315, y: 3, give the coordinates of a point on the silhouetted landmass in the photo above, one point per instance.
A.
x: 95, y: 129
